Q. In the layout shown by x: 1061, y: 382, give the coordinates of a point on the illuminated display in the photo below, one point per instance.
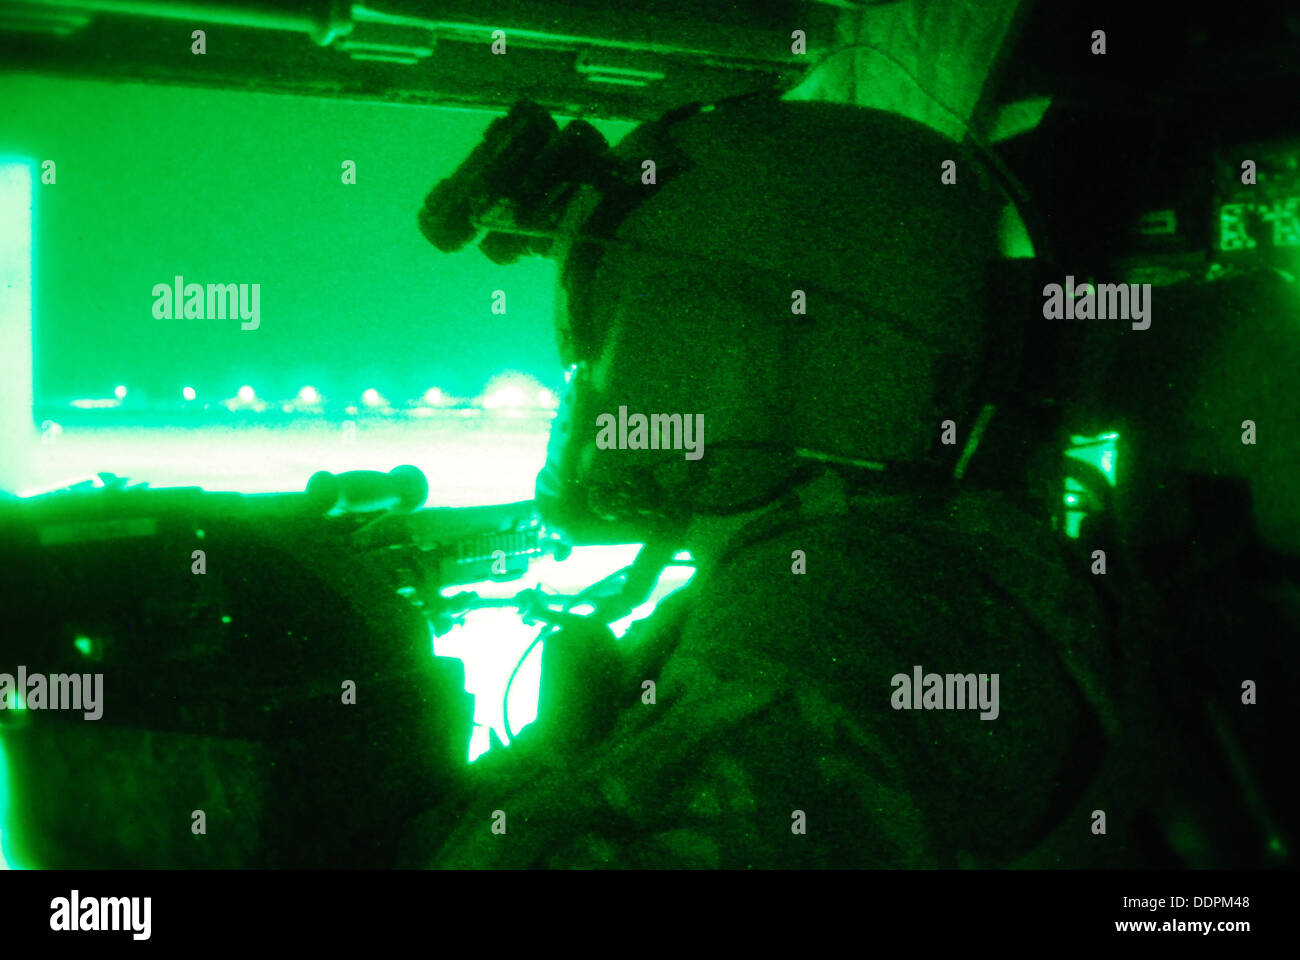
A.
x: 1243, y: 226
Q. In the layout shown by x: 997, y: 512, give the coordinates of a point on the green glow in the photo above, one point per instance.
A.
x: 1099, y: 452
x: 7, y: 859
x: 84, y: 645
x: 489, y: 644
x: 491, y: 640
x: 498, y: 456
x: 225, y: 619
x: 672, y: 579
x: 479, y: 743
x: 1283, y: 217
x: 1103, y: 436
x: 1013, y: 236
x: 110, y: 127
x: 1016, y: 118
x: 1232, y: 228
x: 16, y: 274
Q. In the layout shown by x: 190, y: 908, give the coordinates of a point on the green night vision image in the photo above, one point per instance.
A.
x: 600, y: 436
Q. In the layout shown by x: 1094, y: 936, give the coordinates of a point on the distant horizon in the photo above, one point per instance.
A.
x: 154, y: 182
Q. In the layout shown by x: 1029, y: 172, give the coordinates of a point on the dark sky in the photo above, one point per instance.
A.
x: 225, y: 187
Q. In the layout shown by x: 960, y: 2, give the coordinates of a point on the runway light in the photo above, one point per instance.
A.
x: 510, y: 396
x: 512, y: 392
x: 309, y: 395
x: 246, y: 393
x: 188, y: 393
x: 87, y: 403
x: 119, y: 391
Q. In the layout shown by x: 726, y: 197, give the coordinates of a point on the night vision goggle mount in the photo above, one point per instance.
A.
x: 517, y: 184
